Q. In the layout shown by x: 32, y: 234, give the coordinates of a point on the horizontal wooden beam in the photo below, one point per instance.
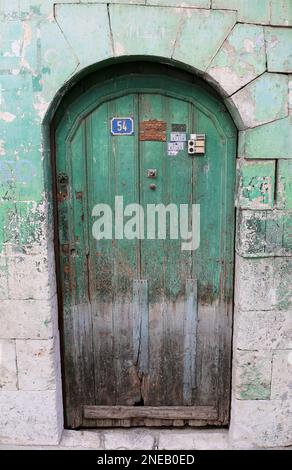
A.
x: 163, y: 412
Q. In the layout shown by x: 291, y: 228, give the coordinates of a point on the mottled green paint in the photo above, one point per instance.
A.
x: 145, y: 35
x: 256, y: 184
x: 264, y: 233
x: 94, y: 24
x: 199, y: 49
x: 181, y: 3
x: 263, y: 100
x: 21, y: 225
x: 281, y: 12
x: 272, y: 140
x: 249, y: 11
x: 240, y: 59
x: 253, y: 375
x: 279, y: 51
x: 284, y: 184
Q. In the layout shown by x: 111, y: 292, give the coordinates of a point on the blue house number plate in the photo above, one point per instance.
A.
x: 122, y: 126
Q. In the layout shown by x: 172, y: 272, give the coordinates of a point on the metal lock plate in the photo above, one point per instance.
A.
x: 196, y: 144
x: 152, y: 173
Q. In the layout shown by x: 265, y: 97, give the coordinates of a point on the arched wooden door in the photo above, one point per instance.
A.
x: 146, y: 326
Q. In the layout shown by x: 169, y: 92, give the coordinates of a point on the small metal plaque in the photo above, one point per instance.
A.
x: 122, y: 126
x: 153, y: 130
x: 173, y: 148
x: 178, y: 137
x: 178, y: 127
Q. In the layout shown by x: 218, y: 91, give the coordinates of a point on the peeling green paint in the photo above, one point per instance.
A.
x: 284, y: 184
x: 264, y: 233
x: 272, y: 140
x: 256, y: 181
x: 240, y: 59
x: 279, y: 51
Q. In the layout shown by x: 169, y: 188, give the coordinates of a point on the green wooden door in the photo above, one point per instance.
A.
x: 146, y: 326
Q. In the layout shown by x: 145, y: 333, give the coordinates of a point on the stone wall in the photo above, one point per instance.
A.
x: 244, y: 49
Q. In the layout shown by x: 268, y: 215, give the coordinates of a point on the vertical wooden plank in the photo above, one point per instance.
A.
x: 100, y: 257
x: 190, y: 340
x: 141, y: 326
x: 126, y: 254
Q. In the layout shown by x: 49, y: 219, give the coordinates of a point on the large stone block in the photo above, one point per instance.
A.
x: 145, y: 35
x: 279, y: 52
x: 37, y: 364
x: 82, y: 439
x: 262, y: 330
x: 249, y: 11
x: 252, y: 371
x: 132, y: 439
x: 264, y: 233
x: 263, y: 283
x: 290, y: 93
x: 89, y: 37
x: 282, y: 375
x: 263, y: 100
x: 261, y: 423
x: 193, y: 439
x: 178, y: 3
x: 30, y: 278
x: 3, y: 277
x: 284, y: 184
x: 8, y: 371
x: 240, y: 59
x: 29, y: 319
x: 256, y: 184
x: 272, y: 140
x: 30, y: 418
x: 281, y: 12
x: 200, y: 35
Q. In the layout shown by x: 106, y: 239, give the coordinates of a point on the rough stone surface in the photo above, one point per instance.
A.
x: 93, y: 21
x: 264, y: 233
x: 8, y: 372
x: 252, y: 375
x: 134, y: 439
x: 21, y: 271
x: 263, y: 330
x: 193, y: 440
x: 281, y: 12
x: 82, y: 439
x: 249, y: 11
x: 272, y: 140
x: 263, y: 283
x: 36, y: 362
x: 30, y: 418
x: 28, y: 319
x: 180, y: 3
x: 261, y: 423
x: 284, y: 184
x: 240, y: 59
x: 198, y: 50
x: 3, y: 278
x: 256, y: 184
x: 282, y: 375
x: 263, y: 100
x: 279, y: 54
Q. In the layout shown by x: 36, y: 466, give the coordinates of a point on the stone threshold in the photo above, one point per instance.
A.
x: 140, y: 439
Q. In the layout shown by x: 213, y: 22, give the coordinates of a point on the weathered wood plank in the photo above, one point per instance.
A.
x: 163, y: 412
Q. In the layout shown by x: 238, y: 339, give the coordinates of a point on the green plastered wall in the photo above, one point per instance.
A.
x: 243, y: 48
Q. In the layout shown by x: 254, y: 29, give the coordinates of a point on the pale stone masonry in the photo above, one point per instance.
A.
x: 243, y: 48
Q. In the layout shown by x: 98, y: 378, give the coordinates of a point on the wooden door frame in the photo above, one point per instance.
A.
x: 209, y: 415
